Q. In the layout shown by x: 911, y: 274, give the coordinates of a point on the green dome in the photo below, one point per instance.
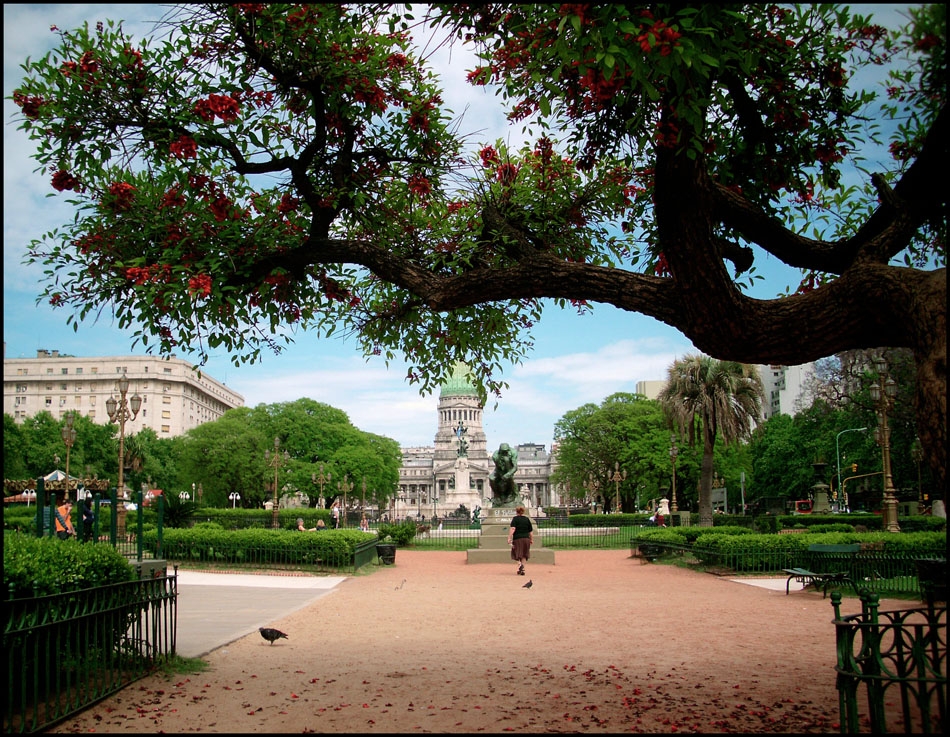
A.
x: 458, y: 383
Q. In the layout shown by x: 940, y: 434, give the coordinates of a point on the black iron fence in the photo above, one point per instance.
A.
x: 67, y: 651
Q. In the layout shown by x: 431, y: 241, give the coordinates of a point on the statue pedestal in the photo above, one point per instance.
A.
x: 493, y: 542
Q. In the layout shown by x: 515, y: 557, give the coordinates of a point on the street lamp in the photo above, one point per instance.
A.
x: 674, y: 451
x: 274, y: 460
x: 345, y: 486
x: 363, y: 500
x: 838, y: 496
x: 235, y: 498
x: 68, y: 433
x: 321, y: 480
x: 883, y: 393
x: 121, y: 410
x: 617, y: 477
x: 184, y: 496
x: 917, y: 453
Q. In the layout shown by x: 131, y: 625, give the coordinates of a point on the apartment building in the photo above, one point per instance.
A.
x: 175, y: 398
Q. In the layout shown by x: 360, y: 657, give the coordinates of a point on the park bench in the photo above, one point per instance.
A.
x: 830, y: 565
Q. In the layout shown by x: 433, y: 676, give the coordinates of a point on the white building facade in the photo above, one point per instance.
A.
x: 436, y: 480
x: 175, y: 398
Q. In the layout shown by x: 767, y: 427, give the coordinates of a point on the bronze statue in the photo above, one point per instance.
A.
x: 502, y: 479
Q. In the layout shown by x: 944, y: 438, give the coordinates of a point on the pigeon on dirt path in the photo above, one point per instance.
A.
x: 527, y: 585
x: 270, y: 634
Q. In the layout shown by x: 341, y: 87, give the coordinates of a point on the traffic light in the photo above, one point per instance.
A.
x: 854, y: 468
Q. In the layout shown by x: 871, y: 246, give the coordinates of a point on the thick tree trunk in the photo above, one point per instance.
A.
x: 706, y: 477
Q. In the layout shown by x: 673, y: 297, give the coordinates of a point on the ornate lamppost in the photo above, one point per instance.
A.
x: 883, y: 393
x: 674, y: 451
x: 617, y: 477
x: 917, y: 453
x: 121, y: 410
x: 235, y: 498
x: 68, y: 433
x: 345, y: 486
x: 275, y: 460
x: 321, y: 480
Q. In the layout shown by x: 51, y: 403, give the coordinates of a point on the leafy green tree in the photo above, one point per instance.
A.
x: 280, y: 166
x: 625, y: 429
x: 224, y: 456
x: 714, y: 399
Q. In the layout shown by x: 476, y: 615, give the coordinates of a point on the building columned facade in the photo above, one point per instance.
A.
x: 175, y: 398
x: 436, y: 480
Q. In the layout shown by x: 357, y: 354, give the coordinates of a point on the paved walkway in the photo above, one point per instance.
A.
x: 215, y: 609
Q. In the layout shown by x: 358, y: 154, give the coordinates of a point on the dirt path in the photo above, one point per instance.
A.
x: 599, y: 643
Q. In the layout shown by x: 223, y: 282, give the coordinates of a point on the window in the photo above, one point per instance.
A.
x: 166, y: 428
x: 49, y: 370
x: 95, y: 369
x: 79, y: 370
x: 145, y: 369
x: 49, y: 401
x: 64, y: 371
x: 22, y: 372
x: 62, y: 401
x: 91, y: 414
x: 21, y: 388
x: 49, y: 387
x: 78, y: 387
x: 166, y: 370
x: 62, y: 387
x: 92, y: 400
x: 166, y: 400
x: 166, y: 415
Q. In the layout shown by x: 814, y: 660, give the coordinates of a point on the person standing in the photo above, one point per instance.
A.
x: 64, y: 522
x: 335, y: 511
x: 521, y: 538
x: 88, y: 519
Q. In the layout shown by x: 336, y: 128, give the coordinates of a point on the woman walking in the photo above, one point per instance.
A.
x: 520, y: 538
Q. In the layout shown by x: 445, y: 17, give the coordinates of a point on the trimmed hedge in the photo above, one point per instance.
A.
x: 35, y: 566
x: 214, y: 545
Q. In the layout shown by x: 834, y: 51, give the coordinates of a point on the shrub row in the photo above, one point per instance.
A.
x: 35, y: 566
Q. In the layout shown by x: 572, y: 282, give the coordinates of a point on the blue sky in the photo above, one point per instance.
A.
x: 577, y: 359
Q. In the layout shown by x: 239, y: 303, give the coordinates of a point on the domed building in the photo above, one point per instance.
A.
x: 437, y: 480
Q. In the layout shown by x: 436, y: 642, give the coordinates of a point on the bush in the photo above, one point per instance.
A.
x: 401, y: 533
x: 35, y: 566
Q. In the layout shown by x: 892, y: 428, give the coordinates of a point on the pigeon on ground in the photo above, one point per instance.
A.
x: 270, y: 634
x: 527, y: 585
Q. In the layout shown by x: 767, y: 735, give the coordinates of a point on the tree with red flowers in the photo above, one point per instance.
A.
x: 270, y: 168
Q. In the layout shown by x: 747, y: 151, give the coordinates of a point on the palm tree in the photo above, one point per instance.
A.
x: 716, y: 398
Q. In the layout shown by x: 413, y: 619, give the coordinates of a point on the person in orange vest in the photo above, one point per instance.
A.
x: 64, y: 522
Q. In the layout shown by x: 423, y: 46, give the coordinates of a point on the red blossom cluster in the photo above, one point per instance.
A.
x: 172, y: 198
x: 288, y: 203
x: 659, y: 37
x: 29, y: 104
x: 661, y: 267
x: 63, y: 180
x: 156, y: 273
x: 578, y: 9
x: 200, y: 285
x: 507, y: 173
x: 123, y: 195
x: 489, y: 157
x: 419, y: 185
x: 222, y: 106
x: 184, y: 148
x: 250, y: 8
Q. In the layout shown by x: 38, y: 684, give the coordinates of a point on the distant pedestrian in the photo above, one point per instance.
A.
x: 64, y: 522
x: 521, y: 538
x: 88, y: 520
x: 335, y: 513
